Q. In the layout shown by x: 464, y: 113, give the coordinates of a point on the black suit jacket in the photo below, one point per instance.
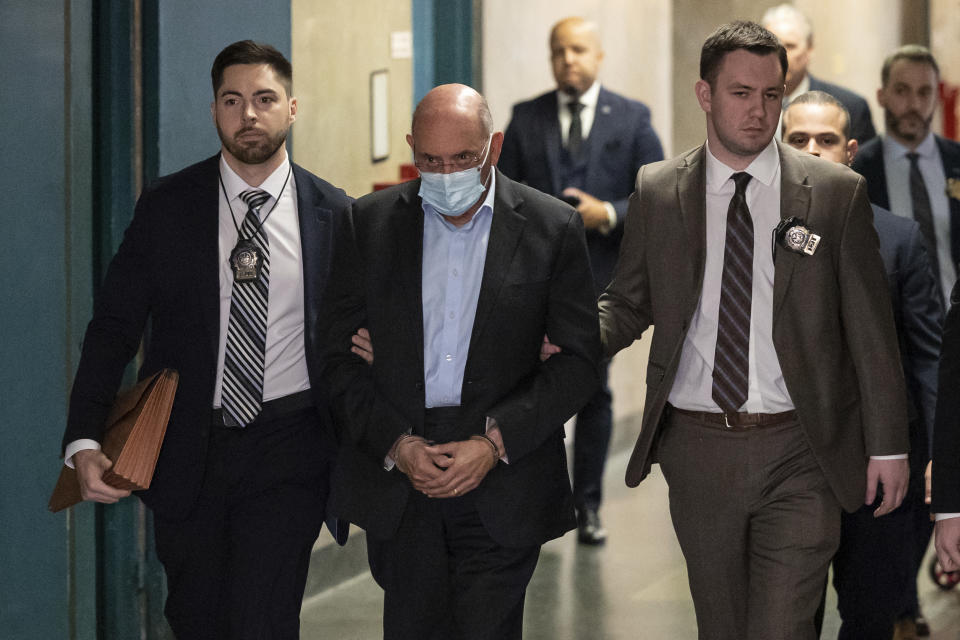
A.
x: 536, y: 280
x: 621, y: 141
x: 869, y: 164
x: 917, y: 314
x: 946, y: 433
x: 861, y: 124
x: 166, y: 272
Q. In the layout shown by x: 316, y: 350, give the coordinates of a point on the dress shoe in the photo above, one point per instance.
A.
x: 589, y: 528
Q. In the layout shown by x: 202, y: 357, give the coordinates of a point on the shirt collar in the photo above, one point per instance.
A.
x: 588, y: 99
x: 896, y: 151
x: 763, y: 168
x: 803, y: 87
x: 234, y: 185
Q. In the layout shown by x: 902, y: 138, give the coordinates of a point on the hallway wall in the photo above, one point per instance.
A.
x: 335, y: 48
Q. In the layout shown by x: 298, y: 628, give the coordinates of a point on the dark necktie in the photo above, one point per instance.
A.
x: 575, y: 134
x: 242, y: 393
x: 731, y: 366
x: 923, y: 213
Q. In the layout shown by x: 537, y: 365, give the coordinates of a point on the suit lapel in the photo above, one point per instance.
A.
x: 950, y: 156
x: 407, y: 227
x: 551, y: 140
x: 692, y: 180
x: 794, y: 201
x: 204, y: 207
x: 316, y: 245
x: 506, y: 228
x: 602, y: 133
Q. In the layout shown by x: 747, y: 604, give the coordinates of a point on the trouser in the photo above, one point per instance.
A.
x: 237, y: 565
x: 757, y: 523
x: 590, y: 445
x: 444, y: 577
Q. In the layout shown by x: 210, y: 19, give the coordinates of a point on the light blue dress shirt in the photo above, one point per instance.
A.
x: 453, y: 261
x: 896, y: 166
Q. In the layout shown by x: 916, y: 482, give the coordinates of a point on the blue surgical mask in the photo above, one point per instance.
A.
x: 453, y: 193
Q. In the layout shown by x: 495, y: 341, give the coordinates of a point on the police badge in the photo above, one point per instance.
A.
x: 795, y: 237
x: 246, y: 261
x: 953, y: 188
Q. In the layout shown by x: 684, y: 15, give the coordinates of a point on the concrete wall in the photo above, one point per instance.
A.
x: 336, y: 45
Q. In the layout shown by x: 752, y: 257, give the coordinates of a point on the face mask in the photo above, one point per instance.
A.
x: 453, y: 193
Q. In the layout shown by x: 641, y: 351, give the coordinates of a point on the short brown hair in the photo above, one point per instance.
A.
x: 911, y: 52
x: 733, y: 36
x: 250, y: 52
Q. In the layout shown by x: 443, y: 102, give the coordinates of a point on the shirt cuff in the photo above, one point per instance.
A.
x: 388, y: 461
x: 611, y: 219
x: 947, y: 516
x: 898, y: 456
x: 78, y: 445
x: 493, y: 432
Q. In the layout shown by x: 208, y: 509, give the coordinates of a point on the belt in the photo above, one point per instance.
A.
x: 738, y: 421
x: 273, y: 409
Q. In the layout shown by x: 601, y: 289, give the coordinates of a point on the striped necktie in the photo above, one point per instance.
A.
x: 731, y: 366
x: 242, y: 392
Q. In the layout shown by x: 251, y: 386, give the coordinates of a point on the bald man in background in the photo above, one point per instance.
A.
x: 584, y: 144
x: 795, y: 31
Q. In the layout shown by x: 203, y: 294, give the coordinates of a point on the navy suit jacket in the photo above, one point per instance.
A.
x: 917, y: 314
x: 166, y: 271
x: 621, y: 141
x: 869, y: 164
x: 861, y: 124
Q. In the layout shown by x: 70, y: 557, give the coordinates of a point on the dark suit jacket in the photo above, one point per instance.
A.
x: 621, y: 141
x: 917, y: 315
x: 536, y: 280
x: 832, y: 323
x: 946, y: 432
x: 166, y: 271
x: 861, y: 124
x: 869, y: 163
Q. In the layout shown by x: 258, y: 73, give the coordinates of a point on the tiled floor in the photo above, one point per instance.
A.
x: 633, y: 588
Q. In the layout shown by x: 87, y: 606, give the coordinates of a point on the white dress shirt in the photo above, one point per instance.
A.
x: 693, y: 387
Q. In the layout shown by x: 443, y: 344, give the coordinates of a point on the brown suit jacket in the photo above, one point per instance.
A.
x: 832, y: 328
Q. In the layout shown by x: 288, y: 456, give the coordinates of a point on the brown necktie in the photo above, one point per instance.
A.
x: 731, y: 366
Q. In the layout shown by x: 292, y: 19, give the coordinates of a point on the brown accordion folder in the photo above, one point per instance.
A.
x: 135, y: 428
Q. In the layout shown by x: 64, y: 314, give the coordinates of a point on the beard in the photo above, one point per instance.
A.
x: 252, y: 151
x: 895, y: 124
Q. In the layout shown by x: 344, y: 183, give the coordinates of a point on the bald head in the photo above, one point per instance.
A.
x: 575, y: 54
x: 454, y: 102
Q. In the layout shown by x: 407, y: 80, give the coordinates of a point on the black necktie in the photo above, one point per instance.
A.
x: 575, y: 135
x: 731, y: 366
x: 923, y: 213
x: 243, y: 361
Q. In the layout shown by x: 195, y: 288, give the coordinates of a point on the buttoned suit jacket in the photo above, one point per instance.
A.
x: 621, y: 140
x: 536, y: 280
x: 166, y: 272
x: 861, y: 124
x: 917, y: 315
x: 869, y: 163
x: 833, y: 329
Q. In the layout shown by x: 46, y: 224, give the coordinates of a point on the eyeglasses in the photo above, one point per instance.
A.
x: 461, y: 162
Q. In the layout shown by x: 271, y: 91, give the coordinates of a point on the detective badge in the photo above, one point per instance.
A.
x: 246, y: 261
x: 953, y: 188
x: 795, y: 237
